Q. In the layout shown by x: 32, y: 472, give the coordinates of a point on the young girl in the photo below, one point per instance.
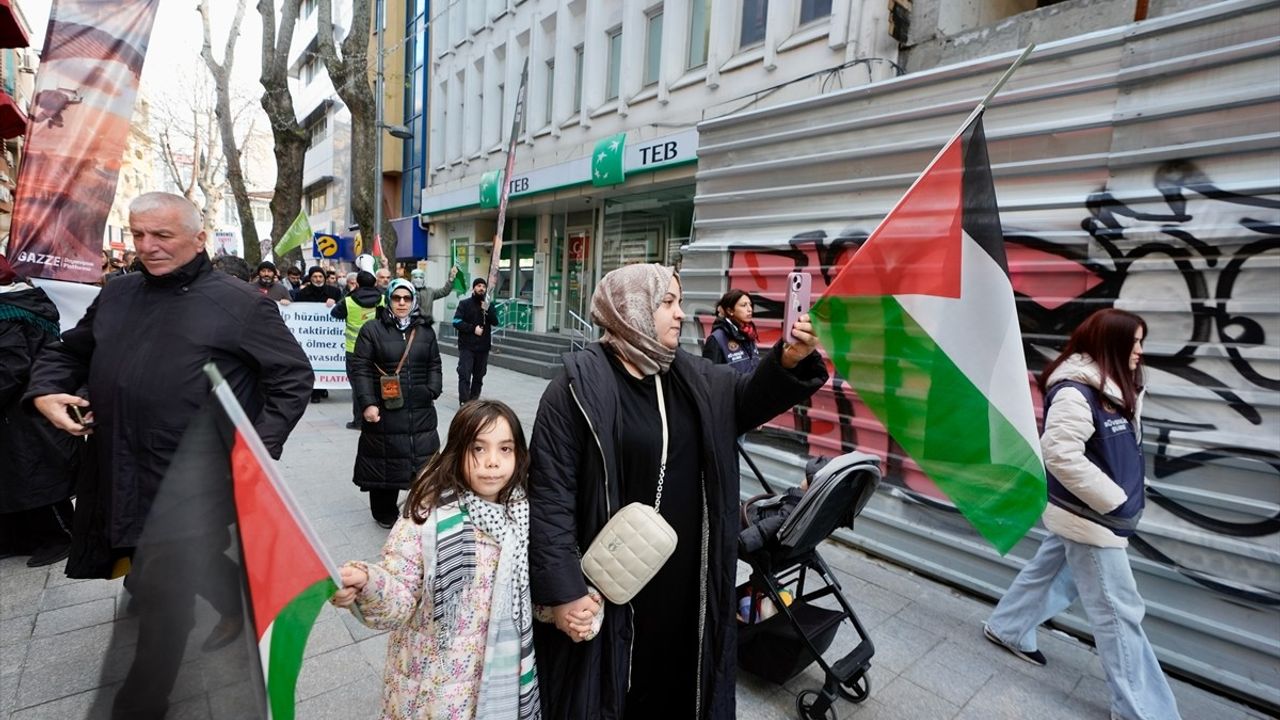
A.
x: 453, y: 584
x: 1092, y: 447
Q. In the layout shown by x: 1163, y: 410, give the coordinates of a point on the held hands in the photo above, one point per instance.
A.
x: 453, y: 273
x: 574, y: 618
x: 353, y: 581
x: 806, y: 342
x: 479, y: 330
x: 372, y: 414
x: 330, y: 302
x: 56, y: 408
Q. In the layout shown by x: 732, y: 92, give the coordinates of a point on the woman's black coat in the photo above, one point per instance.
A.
x: 573, y: 452
x: 39, y: 458
x: 393, y: 450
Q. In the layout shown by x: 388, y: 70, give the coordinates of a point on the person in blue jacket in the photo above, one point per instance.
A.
x: 1092, y: 445
x: 733, y: 337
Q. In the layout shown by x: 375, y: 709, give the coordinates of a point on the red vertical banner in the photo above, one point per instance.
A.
x: 80, y: 114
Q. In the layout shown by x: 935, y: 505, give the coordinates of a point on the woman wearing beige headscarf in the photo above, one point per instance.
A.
x: 597, y: 446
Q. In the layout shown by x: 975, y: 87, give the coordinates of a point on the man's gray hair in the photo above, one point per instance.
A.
x: 351, y: 276
x: 152, y: 201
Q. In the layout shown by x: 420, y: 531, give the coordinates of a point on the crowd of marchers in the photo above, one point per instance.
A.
x: 481, y: 579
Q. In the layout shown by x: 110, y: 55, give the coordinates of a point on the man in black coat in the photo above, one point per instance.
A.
x: 474, y: 323
x: 141, y: 347
x: 316, y: 290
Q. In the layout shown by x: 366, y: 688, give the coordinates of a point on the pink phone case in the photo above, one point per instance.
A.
x: 798, y: 288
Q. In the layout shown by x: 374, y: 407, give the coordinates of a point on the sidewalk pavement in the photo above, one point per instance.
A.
x: 931, y: 660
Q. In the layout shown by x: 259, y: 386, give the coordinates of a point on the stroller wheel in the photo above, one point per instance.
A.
x: 805, y: 703
x: 858, y: 691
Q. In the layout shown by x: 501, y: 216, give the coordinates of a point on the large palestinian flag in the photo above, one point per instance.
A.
x: 921, y: 321
x: 224, y: 546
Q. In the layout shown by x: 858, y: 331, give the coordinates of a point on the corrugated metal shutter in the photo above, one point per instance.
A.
x: 1137, y: 167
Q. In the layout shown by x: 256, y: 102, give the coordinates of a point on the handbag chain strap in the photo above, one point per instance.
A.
x: 662, y: 468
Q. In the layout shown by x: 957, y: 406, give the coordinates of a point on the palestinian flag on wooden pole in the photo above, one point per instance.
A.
x: 921, y: 321
x: 223, y: 526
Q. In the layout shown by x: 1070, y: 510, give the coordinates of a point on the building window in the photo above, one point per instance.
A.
x: 308, y: 7
x: 811, y: 10
x: 615, y: 64
x: 653, y: 49
x: 261, y: 213
x: 699, y: 33
x: 551, y: 92
x: 310, y: 68
x: 317, y: 200
x: 502, y: 111
x: 577, y: 79
x: 755, y: 14
x: 317, y: 131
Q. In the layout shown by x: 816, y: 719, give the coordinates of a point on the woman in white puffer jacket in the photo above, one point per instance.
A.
x: 1092, y: 446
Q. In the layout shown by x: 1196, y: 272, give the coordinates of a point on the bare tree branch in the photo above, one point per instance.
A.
x: 349, y: 72
x: 221, y: 73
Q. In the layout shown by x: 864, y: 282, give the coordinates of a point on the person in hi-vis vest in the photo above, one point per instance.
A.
x: 357, y: 308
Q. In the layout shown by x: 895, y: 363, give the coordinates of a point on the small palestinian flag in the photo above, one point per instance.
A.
x: 921, y: 321
x: 223, y: 528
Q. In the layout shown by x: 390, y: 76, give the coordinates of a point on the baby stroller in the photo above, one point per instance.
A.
x: 779, y: 540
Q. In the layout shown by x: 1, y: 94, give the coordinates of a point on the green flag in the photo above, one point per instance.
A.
x: 298, y: 232
x: 460, y: 280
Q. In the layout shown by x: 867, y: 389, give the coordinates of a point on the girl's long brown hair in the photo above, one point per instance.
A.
x: 447, y: 470
x: 1107, y: 338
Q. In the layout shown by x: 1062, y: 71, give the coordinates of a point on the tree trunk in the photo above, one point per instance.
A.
x: 290, y: 139
x: 350, y: 75
x: 226, y: 128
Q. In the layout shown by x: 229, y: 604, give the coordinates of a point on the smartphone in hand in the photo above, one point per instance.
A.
x: 797, y: 302
x: 79, y: 415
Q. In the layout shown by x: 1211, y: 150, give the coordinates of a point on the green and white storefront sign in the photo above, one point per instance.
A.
x: 620, y: 160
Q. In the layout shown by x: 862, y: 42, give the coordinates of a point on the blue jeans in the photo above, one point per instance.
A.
x: 1063, y: 570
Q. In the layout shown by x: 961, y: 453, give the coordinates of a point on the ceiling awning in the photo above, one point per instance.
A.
x: 316, y: 113
x: 411, y: 238
x: 13, y: 122
x: 322, y: 180
x: 12, y: 34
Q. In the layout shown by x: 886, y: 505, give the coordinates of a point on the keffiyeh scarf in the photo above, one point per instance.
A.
x: 509, y: 683
x: 623, y: 305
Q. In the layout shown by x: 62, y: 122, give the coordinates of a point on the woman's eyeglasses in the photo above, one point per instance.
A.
x: 401, y: 298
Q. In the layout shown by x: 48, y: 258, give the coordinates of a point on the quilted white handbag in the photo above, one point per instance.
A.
x: 636, y: 541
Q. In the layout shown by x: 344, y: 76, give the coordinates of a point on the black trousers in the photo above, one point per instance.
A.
x: 382, y: 504
x: 357, y: 412
x: 165, y: 590
x: 472, y: 365
x: 26, y: 531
